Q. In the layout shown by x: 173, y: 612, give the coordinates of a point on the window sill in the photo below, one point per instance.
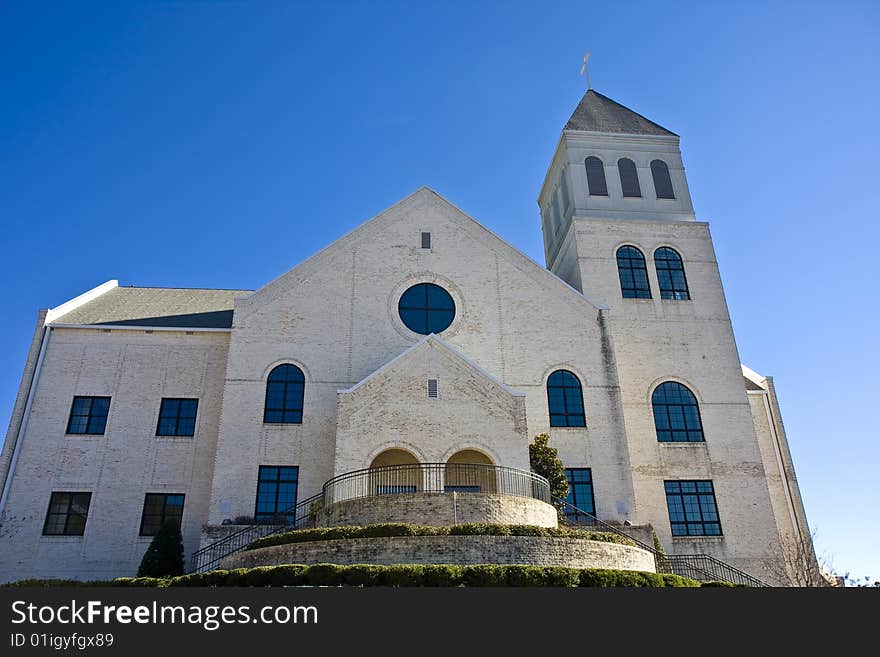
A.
x: 62, y: 538
x: 636, y: 300
x: 671, y: 443
x: 677, y: 300
x: 174, y: 438
x: 282, y: 424
x: 568, y: 428
x: 698, y: 539
x: 84, y: 435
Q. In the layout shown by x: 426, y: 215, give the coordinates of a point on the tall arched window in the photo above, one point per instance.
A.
x: 284, y: 395
x: 633, y: 273
x: 662, y: 181
x: 565, y: 399
x: 676, y: 414
x: 596, y: 176
x: 629, y: 178
x: 670, y: 274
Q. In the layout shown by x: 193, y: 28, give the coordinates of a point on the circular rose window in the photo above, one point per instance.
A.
x: 426, y: 308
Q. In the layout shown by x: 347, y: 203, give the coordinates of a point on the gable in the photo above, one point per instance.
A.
x: 424, y: 207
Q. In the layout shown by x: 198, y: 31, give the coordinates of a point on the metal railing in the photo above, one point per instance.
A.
x: 435, y: 478
x: 299, y: 516
x: 701, y: 567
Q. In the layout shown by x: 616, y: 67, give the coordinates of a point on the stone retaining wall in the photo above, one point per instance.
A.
x: 440, y: 509
x: 462, y: 550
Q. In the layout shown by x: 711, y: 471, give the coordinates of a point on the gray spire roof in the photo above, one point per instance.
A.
x: 598, y: 113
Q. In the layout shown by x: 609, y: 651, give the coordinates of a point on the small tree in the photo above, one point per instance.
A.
x: 164, y: 557
x: 545, y: 462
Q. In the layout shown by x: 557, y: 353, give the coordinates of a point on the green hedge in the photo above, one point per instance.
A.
x: 326, y: 574
x: 402, y: 529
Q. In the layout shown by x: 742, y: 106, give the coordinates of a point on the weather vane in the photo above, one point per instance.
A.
x: 586, y: 71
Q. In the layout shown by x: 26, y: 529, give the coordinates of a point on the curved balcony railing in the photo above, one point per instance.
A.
x: 435, y: 478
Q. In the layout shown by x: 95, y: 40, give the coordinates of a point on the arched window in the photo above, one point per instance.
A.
x: 284, y: 395
x: 565, y: 399
x: 676, y: 414
x: 629, y: 178
x: 633, y: 273
x: 662, y: 181
x: 670, y: 274
x: 596, y: 176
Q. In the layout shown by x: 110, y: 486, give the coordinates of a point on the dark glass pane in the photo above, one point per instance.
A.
x: 273, y: 417
x: 556, y: 400
x: 558, y: 421
x: 167, y: 427
x: 97, y: 424
x: 662, y: 181
x: 188, y: 407
x: 629, y: 178
x: 186, y: 426
x: 414, y: 297
x: 596, y: 176
x: 170, y: 408
x: 275, y: 395
x: 76, y: 525
x: 415, y: 320
x: 438, y: 298
x: 81, y: 405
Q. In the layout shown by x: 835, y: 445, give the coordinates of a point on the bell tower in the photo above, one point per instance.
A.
x: 611, y: 164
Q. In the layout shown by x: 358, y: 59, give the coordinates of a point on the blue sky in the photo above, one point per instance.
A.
x: 127, y: 128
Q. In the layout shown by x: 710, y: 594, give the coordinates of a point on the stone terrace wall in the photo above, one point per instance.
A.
x: 440, y: 509
x: 462, y: 550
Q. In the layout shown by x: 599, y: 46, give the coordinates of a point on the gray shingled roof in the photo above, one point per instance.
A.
x: 598, y: 113
x: 157, y: 306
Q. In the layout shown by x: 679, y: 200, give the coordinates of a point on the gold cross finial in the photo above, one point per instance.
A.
x: 585, y: 70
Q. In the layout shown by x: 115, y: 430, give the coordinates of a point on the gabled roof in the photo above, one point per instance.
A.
x: 425, y: 343
x: 156, y: 306
x: 598, y: 113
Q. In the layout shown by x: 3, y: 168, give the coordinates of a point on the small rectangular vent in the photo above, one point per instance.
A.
x: 433, y: 389
x: 426, y: 240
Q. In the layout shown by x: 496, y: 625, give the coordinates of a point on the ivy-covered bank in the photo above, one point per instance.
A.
x: 390, y: 529
x: 403, y: 575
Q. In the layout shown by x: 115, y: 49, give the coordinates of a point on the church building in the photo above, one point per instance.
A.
x: 421, y: 338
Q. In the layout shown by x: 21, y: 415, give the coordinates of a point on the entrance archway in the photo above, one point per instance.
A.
x: 470, y: 471
x: 390, y: 475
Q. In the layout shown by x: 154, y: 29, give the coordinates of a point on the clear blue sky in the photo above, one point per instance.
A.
x: 157, y: 142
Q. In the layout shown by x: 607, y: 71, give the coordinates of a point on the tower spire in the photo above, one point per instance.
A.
x: 585, y: 70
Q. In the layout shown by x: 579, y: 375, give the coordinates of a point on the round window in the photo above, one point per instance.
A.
x: 426, y: 308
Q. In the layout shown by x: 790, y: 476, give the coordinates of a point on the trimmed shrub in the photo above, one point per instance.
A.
x: 484, y: 575
x: 716, y: 583
x: 324, y: 574
x: 676, y: 580
x: 289, y: 575
x: 164, y: 556
x: 361, y: 575
x: 441, y: 575
x: 402, y: 575
x: 391, y: 529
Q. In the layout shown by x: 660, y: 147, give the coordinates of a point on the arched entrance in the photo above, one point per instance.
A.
x: 395, y: 471
x: 470, y: 471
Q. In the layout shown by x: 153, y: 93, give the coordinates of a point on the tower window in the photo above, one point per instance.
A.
x: 563, y: 189
x: 662, y: 181
x: 426, y: 308
x: 633, y: 273
x: 692, y: 508
x: 670, y: 274
x: 285, y: 390
x: 676, y: 414
x: 596, y: 176
x: 565, y: 400
x: 629, y: 178
x: 426, y: 240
